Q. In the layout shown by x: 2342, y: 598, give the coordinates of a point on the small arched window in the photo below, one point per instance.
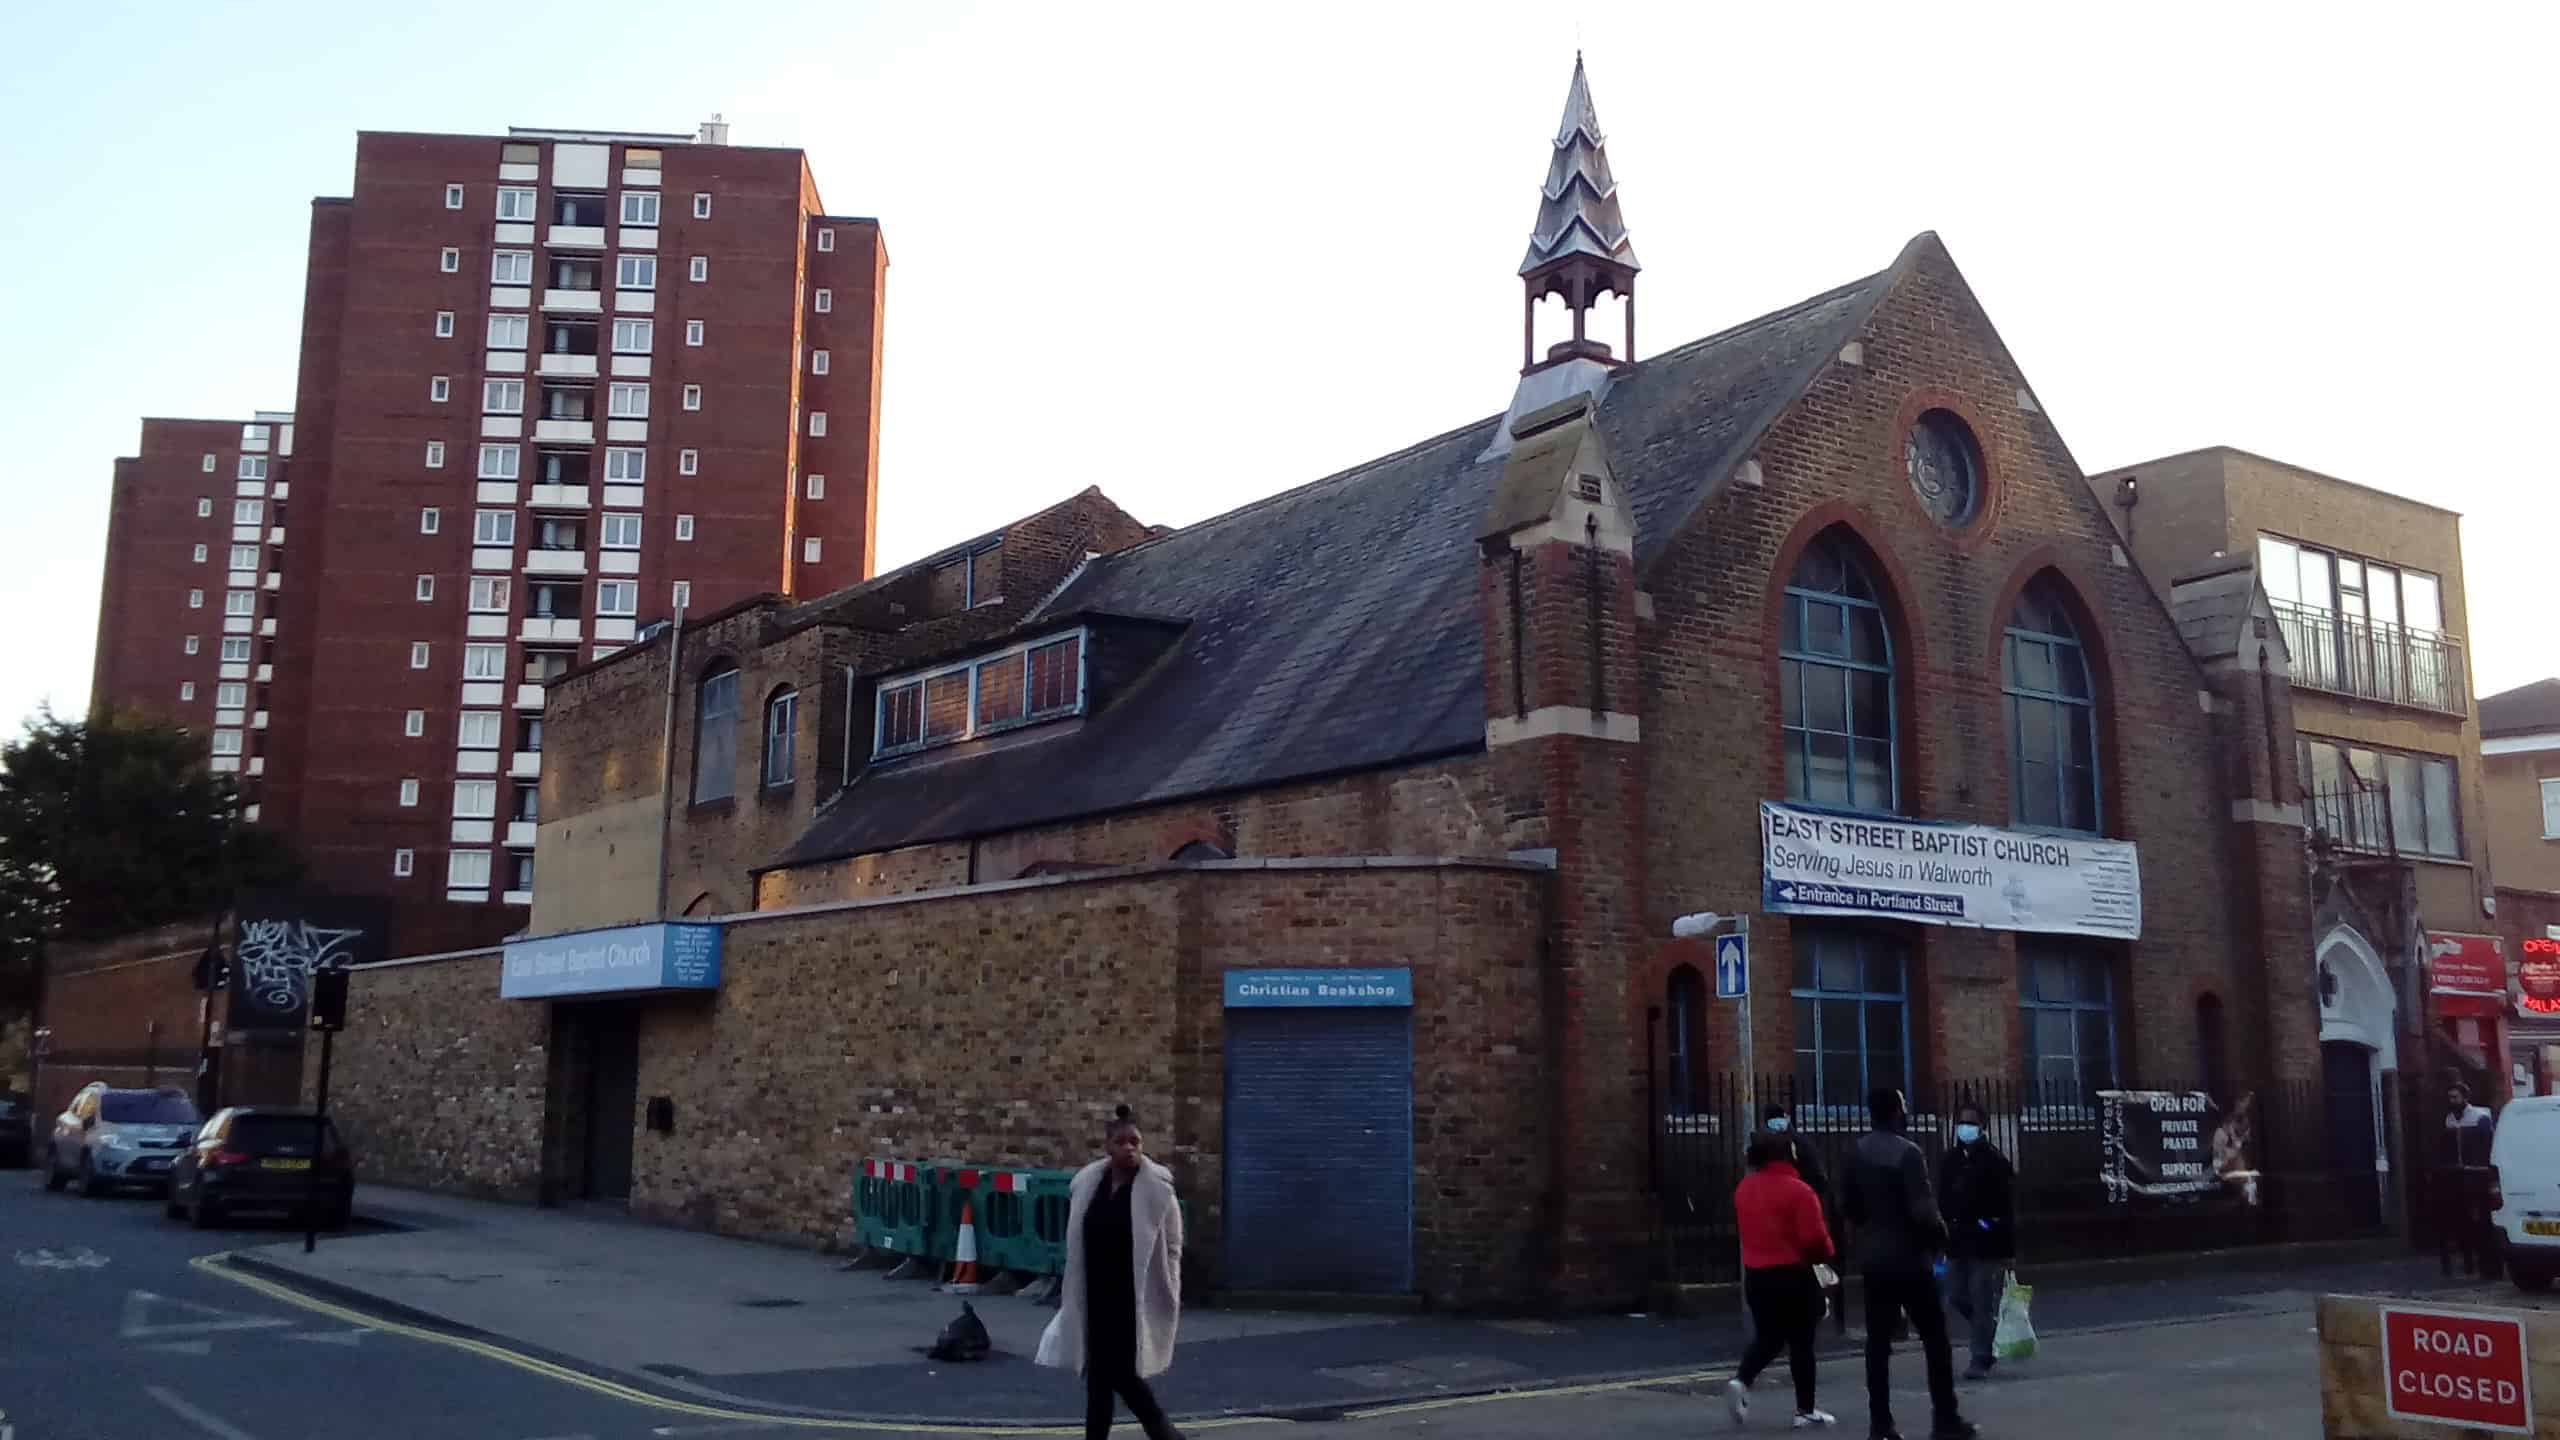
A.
x: 1684, y: 1041
x: 715, y: 733
x: 1836, y: 682
x: 2053, y: 714
x: 781, y: 737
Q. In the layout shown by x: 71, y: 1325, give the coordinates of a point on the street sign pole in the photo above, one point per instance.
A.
x: 1750, y: 1072
x: 319, y: 1148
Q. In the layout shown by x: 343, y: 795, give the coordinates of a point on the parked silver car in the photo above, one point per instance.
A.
x: 109, y: 1137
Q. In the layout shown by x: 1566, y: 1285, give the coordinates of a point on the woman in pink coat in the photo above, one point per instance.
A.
x: 1122, y: 1297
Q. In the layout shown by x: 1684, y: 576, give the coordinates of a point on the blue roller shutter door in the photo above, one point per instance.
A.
x: 1319, y: 1156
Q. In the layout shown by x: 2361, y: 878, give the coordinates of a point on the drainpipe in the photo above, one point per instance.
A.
x: 667, y: 754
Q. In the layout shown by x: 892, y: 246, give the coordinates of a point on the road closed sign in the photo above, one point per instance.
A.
x: 2457, y: 1369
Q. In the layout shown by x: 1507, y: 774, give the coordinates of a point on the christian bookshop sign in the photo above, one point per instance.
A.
x: 1813, y: 862
x: 674, y: 956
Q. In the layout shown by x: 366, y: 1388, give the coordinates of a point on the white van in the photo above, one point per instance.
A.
x: 2526, y: 1155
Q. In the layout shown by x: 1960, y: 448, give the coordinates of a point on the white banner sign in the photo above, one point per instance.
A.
x: 1813, y: 862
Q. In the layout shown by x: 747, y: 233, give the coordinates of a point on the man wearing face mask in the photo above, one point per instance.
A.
x: 1974, y: 1196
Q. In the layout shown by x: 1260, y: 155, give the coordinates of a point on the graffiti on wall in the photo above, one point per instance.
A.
x: 285, y: 939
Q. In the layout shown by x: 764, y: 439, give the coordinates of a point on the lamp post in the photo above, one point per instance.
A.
x: 1706, y: 925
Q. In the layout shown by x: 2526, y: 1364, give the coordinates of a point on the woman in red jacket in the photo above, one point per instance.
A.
x: 1783, y: 1238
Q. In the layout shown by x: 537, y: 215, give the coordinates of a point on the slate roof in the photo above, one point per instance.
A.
x: 2212, y: 608
x: 1335, y: 627
x: 2525, y: 710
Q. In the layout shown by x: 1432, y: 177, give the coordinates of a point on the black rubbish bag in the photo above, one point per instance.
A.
x: 965, y: 1338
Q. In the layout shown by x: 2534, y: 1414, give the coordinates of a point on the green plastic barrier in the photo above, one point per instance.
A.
x: 889, y: 1207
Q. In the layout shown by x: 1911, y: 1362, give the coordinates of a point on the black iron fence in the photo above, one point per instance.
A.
x: 2288, y: 1188
x: 2351, y: 655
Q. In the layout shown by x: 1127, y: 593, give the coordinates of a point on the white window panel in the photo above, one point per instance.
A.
x: 502, y: 397
x: 693, y: 397
x: 475, y: 799
x: 640, y: 207
x: 420, y: 654
x: 631, y: 367
x: 817, y: 422
x: 493, y: 527
x: 688, y: 462
x: 186, y: 691
x: 511, y: 267
x: 2551, y: 809
x: 484, y: 662
x: 817, y: 487
x: 633, y: 337
x: 635, y: 272
x: 243, y: 557
x: 235, y: 650
x: 203, y: 551
x: 435, y: 454
x: 617, y: 597
x: 439, y: 390
x: 684, y: 527
x: 515, y: 202
x: 253, y: 467
x: 628, y: 467
x: 453, y: 197
x: 479, y: 729
x: 698, y: 270
x: 404, y: 863
x: 430, y: 520
x: 204, y: 504
x: 248, y: 512
x: 500, y: 462
x: 240, y: 602
x: 489, y: 593
x: 701, y: 205
x: 414, y: 724
x: 408, y: 794
x: 449, y: 260
x: 208, y: 464
x: 226, y: 742
x: 231, y: 697
x: 682, y: 594
x: 629, y: 402
x: 621, y: 532
x: 693, y: 332
x: 508, y: 332
x: 467, y: 870
x: 444, y: 324
x: 824, y: 301
x: 826, y: 240
x: 817, y: 362
x: 426, y: 587
x: 810, y: 549
x: 193, y: 644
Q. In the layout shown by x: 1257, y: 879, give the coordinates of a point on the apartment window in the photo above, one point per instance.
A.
x: 243, y: 557
x: 684, y: 527
x: 633, y: 337
x: 635, y: 272
x: 698, y: 269
x: 408, y: 793
x: 484, y: 662
x: 493, y: 527
x: 715, y: 735
x: 781, y: 737
x: 688, y: 462
x: 541, y: 667
x: 509, y: 332
x: 701, y: 205
x: 475, y: 799
x: 2383, y: 801
x: 204, y: 503
x: 208, y: 464
x: 810, y: 548
x: 240, y: 602
x: 186, y: 691
x: 193, y: 644
x: 231, y: 695
x: 625, y: 467
x: 419, y: 654
x: 2362, y: 627
x: 435, y: 454
x: 203, y: 551
x: 426, y: 587
x: 444, y: 324
x: 817, y: 487
x: 467, y: 870
x: 511, y: 267
x: 449, y: 260
x: 404, y: 863
x: 1852, y: 1018
x: 528, y: 806
x: 500, y: 462
x: 515, y: 202
x: 681, y: 596
x: 640, y: 207
x: 826, y: 240
x: 453, y: 197
x: 430, y: 520
x: 557, y: 533
x: 234, y: 649
x: 439, y: 390
x: 825, y: 301
x: 414, y: 724
x: 225, y: 742
x: 2066, y: 994
x: 195, y: 599
x: 817, y: 422
x: 248, y: 512
x: 617, y: 597
x: 621, y: 532
x: 693, y: 332
x: 693, y: 397
x: 629, y: 402
x: 2052, y: 714
x: 253, y: 467
x: 2551, y: 809
x: 479, y: 730
x: 489, y: 594
x: 577, y: 211
x: 817, y: 362
x: 502, y: 397
x: 1836, y: 683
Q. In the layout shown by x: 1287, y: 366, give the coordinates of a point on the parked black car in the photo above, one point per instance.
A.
x: 250, y: 1158
x: 17, y: 1131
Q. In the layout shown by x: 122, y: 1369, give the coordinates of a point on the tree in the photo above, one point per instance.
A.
x: 112, y: 824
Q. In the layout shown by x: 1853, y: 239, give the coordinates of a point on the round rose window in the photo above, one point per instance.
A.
x: 1946, y: 468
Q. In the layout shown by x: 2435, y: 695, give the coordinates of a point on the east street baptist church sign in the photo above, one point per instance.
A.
x: 1814, y: 862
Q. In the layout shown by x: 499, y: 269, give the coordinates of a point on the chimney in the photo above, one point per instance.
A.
x: 715, y: 131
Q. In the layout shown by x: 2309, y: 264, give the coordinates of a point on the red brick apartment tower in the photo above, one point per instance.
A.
x: 187, y: 605
x: 556, y: 384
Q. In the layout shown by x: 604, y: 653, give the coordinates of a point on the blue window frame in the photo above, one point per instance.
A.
x: 2068, y: 995
x: 1852, y: 1016
x: 715, y: 735
x: 1835, y: 670
x: 2053, y: 715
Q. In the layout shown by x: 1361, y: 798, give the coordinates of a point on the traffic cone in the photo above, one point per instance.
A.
x: 964, y: 1264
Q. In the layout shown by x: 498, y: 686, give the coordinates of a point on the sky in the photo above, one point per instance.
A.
x: 1263, y: 244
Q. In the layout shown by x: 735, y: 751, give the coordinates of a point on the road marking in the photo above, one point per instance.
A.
x: 79, y: 1257
x: 139, y: 1322
x: 329, y: 1337
x: 210, y: 1424
x: 184, y: 1347
x: 734, y: 1429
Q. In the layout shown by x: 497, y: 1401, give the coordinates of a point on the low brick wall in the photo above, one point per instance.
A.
x: 1000, y: 1024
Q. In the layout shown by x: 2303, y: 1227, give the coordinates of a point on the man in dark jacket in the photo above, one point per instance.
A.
x: 1887, y: 1198
x: 1982, y: 1221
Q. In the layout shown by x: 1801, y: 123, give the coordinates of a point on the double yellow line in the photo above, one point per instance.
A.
x: 219, y: 1264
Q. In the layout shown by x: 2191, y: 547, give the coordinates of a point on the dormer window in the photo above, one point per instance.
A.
x: 1039, y: 680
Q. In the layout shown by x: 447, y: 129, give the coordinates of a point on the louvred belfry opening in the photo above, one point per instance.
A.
x: 1579, y: 249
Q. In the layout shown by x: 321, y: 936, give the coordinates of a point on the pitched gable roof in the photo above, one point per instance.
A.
x: 2525, y: 710
x: 1335, y: 627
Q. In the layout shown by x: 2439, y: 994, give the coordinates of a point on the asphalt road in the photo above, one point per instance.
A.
x: 109, y: 1332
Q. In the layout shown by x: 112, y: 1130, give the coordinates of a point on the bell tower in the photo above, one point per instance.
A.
x: 1579, y: 248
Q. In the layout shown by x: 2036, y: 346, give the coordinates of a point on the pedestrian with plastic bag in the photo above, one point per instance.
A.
x: 1120, y: 1300
x: 1976, y: 1195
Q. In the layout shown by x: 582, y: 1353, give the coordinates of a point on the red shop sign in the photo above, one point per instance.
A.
x: 2466, y: 964
x: 2539, y: 976
x: 2456, y: 1369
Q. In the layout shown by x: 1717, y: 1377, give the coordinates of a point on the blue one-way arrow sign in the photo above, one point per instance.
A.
x: 1733, y: 966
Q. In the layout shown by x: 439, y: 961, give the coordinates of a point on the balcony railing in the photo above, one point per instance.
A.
x: 2357, y: 817
x: 2350, y: 655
